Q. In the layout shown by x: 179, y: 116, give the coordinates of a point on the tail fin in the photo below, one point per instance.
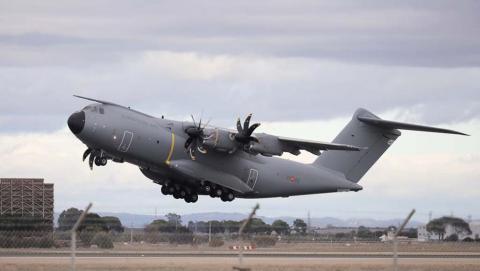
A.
x: 369, y: 131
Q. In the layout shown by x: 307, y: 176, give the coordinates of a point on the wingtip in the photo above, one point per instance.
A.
x: 458, y: 133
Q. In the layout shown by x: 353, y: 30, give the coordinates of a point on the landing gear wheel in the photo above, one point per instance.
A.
x: 98, y: 161
x: 171, y: 190
x: 103, y: 161
x: 176, y: 194
x: 164, y: 190
x: 183, y: 194
x: 193, y: 198
x: 229, y: 196
x: 218, y: 192
x: 207, y: 188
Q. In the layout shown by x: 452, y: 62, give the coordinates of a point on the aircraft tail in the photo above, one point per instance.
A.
x: 375, y: 135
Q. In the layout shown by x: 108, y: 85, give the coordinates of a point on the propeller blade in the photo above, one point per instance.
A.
x: 191, y: 151
x: 194, y: 124
x: 239, y: 126
x: 206, y: 124
x: 252, y: 128
x: 247, y: 121
x: 201, y: 149
x: 90, y: 161
x: 188, y: 142
x: 86, y: 153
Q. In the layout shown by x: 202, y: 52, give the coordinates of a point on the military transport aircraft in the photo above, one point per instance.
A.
x: 190, y: 158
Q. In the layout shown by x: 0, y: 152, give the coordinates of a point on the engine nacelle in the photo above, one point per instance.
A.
x: 267, y: 145
x: 219, y: 140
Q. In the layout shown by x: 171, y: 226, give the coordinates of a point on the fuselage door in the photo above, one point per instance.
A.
x: 126, y: 141
x: 252, y: 178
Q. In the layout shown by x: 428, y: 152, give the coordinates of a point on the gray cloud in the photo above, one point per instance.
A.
x: 282, y: 60
x: 437, y: 33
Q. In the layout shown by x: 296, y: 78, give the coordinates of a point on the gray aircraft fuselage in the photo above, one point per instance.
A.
x: 153, y: 143
x: 157, y: 147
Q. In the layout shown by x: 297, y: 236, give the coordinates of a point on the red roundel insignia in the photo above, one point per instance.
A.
x: 292, y: 179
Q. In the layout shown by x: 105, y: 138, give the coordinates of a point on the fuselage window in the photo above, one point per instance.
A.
x: 101, y: 110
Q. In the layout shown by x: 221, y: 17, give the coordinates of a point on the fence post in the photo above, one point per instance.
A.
x: 240, y: 236
x: 395, y: 240
x: 73, y: 242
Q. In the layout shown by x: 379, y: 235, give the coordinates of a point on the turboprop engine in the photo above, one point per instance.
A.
x: 220, y: 140
x: 267, y: 145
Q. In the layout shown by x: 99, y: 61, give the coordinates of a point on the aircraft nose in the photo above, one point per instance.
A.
x: 76, y: 122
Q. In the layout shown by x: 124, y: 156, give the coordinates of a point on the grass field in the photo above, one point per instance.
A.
x: 452, y: 247
x: 214, y: 263
x: 16, y: 262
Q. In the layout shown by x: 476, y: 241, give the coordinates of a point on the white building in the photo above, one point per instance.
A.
x: 424, y: 235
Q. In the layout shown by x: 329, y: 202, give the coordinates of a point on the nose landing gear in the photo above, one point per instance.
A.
x: 96, y: 156
x: 101, y: 161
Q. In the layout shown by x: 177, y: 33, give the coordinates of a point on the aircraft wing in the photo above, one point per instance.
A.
x: 294, y: 146
x: 202, y: 172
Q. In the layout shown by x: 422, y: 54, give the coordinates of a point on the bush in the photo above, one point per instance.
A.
x: 86, y: 237
x: 156, y: 237
x: 180, y: 238
x: 265, y: 241
x: 468, y: 239
x: 216, y: 242
x: 44, y: 242
x: 199, y: 239
x: 452, y: 238
x: 102, y: 240
x: 26, y: 239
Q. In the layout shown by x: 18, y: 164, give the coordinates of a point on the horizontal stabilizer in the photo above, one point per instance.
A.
x: 404, y: 126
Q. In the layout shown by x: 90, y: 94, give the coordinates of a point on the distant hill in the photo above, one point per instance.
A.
x: 138, y: 220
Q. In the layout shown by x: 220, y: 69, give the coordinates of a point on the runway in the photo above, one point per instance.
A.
x: 247, y: 254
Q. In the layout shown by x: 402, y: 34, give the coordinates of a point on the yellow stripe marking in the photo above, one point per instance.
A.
x: 172, y: 146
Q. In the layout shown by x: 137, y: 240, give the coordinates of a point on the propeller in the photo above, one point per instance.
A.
x: 195, y: 138
x: 244, y: 134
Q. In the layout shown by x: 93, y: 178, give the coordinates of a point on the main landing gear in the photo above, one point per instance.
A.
x: 191, y: 195
x: 216, y: 191
x: 180, y: 192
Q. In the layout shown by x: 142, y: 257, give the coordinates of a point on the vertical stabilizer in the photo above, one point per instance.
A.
x: 372, y: 133
x: 375, y: 141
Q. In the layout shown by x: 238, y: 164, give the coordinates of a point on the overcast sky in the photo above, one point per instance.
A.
x: 302, y: 68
